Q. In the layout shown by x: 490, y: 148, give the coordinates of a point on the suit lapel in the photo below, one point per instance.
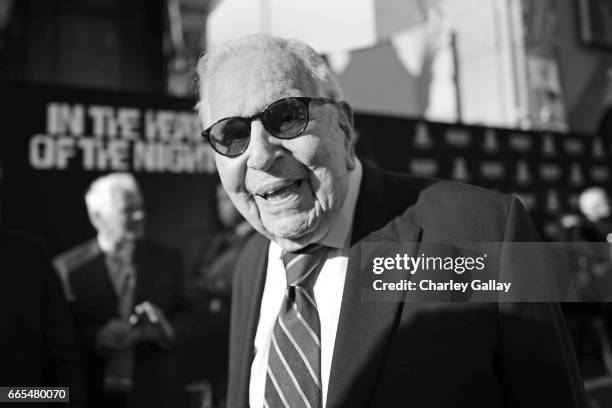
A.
x: 147, y: 273
x: 245, y: 309
x: 364, y: 327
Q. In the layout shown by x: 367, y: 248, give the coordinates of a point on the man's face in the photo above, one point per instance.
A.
x: 289, y: 190
x: 123, y: 220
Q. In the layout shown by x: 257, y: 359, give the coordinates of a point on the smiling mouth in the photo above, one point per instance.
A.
x: 283, y: 191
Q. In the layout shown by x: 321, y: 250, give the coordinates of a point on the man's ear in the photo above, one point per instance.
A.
x: 346, y: 119
x: 346, y: 124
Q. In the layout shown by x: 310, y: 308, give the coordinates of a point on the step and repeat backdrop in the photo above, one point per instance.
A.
x: 547, y: 171
x: 56, y: 140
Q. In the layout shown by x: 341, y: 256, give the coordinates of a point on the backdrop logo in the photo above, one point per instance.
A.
x: 520, y: 142
x: 457, y: 137
x: 548, y: 146
x: 574, y: 147
x: 491, y: 144
x: 110, y: 138
x: 597, y: 151
x: 422, y: 140
x: 492, y: 169
x: 523, y: 176
x: 460, y: 171
x: 600, y: 174
x: 576, y: 178
x: 424, y: 167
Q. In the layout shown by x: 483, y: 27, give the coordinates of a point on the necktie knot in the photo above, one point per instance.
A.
x: 302, y: 267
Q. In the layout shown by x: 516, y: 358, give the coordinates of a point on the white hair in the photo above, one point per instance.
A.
x: 311, y: 61
x: 104, y: 190
x: 589, y: 197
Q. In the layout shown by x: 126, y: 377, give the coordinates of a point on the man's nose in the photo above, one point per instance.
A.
x: 263, y: 149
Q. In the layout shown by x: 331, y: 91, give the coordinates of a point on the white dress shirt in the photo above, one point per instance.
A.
x: 328, y: 290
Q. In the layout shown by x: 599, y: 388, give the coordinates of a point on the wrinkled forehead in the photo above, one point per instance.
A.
x: 245, y: 84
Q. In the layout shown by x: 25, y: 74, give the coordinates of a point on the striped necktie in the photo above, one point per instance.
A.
x: 294, y: 364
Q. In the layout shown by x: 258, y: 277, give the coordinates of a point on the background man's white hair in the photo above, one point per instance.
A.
x: 590, y: 200
x: 103, y: 190
x: 312, y: 62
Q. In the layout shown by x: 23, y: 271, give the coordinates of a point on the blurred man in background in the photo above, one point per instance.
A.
x: 128, y: 301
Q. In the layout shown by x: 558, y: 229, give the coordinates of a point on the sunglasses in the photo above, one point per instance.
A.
x: 285, y: 119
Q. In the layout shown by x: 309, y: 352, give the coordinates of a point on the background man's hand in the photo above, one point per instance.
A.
x: 114, y: 336
x: 150, y: 324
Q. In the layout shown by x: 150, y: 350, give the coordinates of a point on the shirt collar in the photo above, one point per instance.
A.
x: 111, y: 249
x: 339, y: 234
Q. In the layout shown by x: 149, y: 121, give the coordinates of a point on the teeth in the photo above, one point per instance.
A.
x: 267, y: 194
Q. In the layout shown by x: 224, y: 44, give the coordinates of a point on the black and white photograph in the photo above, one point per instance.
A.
x: 306, y: 204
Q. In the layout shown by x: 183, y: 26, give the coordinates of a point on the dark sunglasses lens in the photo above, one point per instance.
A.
x: 230, y: 137
x: 286, y: 118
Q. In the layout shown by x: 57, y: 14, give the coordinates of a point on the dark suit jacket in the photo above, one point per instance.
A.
x: 158, y: 280
x: 37, y: 338
x: 395, y: 354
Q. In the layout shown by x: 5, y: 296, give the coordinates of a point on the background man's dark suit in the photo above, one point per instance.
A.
x: 425, y: 354
x: 158, y: 280
x: 37, y: 338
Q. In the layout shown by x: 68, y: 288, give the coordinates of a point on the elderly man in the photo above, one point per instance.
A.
x: 127, y: 301
x: 301, y: 336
